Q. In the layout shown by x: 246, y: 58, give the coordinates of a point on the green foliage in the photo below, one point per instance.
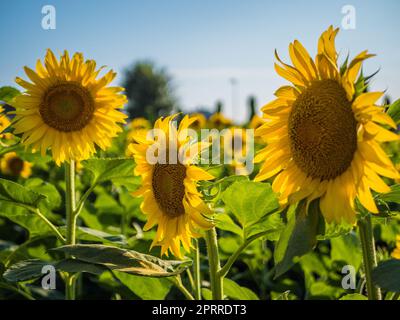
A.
x: 109, y: 169
x: 124, y: 260
x: 266, y: 251
x: 237, y: 292
x: 347, y: 248
x: 7, y: 94
x: 387, y: 275
x: 14, y: 193
x: 354, y: 296
x: 25, y: 270
x: 256, y: 200
x: 88, y: 234
x: 394, y: 111
x: 145, y: 287
x: 32, y: 269
x: 298, y: 237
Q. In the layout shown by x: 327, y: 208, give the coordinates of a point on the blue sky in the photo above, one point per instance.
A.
x: 204, y: 43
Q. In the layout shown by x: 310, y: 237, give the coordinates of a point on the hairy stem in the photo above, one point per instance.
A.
x: 178, y: 283
x: 196, y: 270
x: 70, y: 205
x: 369, y: 256
x: 215, y: 266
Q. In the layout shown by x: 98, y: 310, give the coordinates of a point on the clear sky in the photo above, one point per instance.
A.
x: 203, y: 43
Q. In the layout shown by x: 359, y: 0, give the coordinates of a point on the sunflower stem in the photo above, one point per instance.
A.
x: 70, y: 205
x: 215, y: 266
x: 196, y: 270
x: 178, y: 283
x: 369, y: 256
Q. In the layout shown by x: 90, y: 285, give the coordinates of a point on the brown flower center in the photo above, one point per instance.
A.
x: 323, y: 130
x: 15, y: 165
x: 168, y: 188
x: 67, y: 106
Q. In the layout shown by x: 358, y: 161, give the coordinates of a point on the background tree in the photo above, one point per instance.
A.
x: 149, y: 90
x: 252, y: 106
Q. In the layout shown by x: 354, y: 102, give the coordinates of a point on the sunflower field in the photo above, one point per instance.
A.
x: 299, y: 203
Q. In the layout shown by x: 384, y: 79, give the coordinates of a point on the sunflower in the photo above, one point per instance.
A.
x: 139, y: 123
x: 138, y: 126
x: 12, y: 165
x: 396, y: 251
x: 219, y: 121
x: 171, y: 199
x: 323, y: 138
x: 238, y: 142
x: 68, y: 108
x: 4, y: 122
x: 200, y: 121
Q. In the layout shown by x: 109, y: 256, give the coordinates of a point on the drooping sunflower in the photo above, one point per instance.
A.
x: 324, y: 137
x: 219, y: 121
x: 171, y: 199
x: 396, y: 251
x: 12, y: 165
x: 199, y: 122
x: 67, y: 108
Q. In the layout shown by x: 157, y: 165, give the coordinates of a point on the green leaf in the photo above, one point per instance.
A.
x: 214, y: 189
x: 273, y: 223
x: 32, y: 269
x: 224, y: 222
x: 109, y: 169
x: 387, y: 275
x: 53, y: 197
x: 91, y: 219
x: 347, y: 248
x: 249, y: 201
x: 282, y: 296
x: 76, y: 265
x: 206, y: 293
x: 25, y: 218
x: 18, y: 202
x: 322, y: 290
x: 394, y: 111
x: 394, y: 194
x: 298, y: 237
x: 237, y: 292
x: 7, y: 94
x: 354, y: 296
x: 311, y: 263
x: 144, y: 287
x: 131, y: 205
x: 25, y: 270
x: 88, y: 234
x: 14, y: 193
x: 333, y: 230
x: 124, y: 260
